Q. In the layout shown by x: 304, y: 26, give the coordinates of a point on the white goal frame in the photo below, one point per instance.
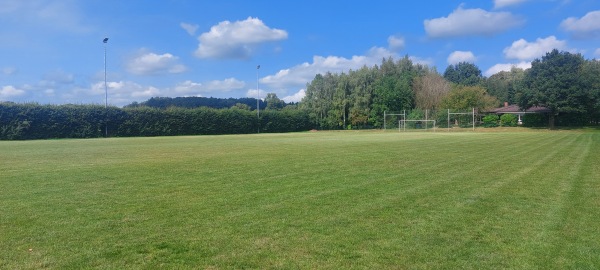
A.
x: 402, y: 123
x: 472, y: 113
x: 385, y: 114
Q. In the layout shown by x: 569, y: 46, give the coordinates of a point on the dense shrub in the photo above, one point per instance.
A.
x: 490, y: 120
x: 508, y: 120
x: 534, y: 120
x: 34, y: 121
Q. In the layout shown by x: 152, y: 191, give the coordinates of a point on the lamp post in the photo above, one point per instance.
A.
x: 105, y: 40
x: 257, y: 99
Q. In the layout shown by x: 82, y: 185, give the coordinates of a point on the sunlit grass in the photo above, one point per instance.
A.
x: 306, y: 200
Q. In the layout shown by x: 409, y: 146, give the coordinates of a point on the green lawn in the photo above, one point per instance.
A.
x: 327, y: 200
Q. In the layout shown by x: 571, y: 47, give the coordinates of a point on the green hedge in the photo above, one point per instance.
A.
x: 490, y: 120
x: 34, y: 121
x: 509, y: 120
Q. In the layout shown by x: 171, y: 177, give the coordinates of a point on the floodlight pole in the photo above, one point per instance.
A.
x: 105, y: 41
x: 257, y: 99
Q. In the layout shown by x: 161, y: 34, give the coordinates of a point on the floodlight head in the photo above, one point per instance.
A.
x: 258, y: 67
x: 105, y: 40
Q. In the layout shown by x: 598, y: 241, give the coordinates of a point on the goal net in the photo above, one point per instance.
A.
x: 416, y: 124
x: 461, y: 119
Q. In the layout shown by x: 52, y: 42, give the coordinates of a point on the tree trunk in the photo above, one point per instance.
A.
x: 551, y: 121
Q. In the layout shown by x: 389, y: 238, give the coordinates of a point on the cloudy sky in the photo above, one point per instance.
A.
x: 52, y: 51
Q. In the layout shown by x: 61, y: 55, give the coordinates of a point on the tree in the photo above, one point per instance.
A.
x: 273, y: 102
x: 429, y: 90
x: 341, y: 100
x: 554, y: 82
x: 393, y: 89
x: 242, y: 106
x: 591, y: 80
x: 360, y: 99
x: 313, y: 100
x: 504, y: 84
x: 463, y: 73
x: 467, y: 97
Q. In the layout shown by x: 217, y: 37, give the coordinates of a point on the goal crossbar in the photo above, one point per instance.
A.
x: 472, y: 113
x: 385, y: 115
x: 402, y: 123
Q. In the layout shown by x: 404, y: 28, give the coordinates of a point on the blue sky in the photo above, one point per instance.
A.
x: 52, y: 51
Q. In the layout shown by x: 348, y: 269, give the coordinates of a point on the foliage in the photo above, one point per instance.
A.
x: 195, y: 102
x: 468, y: 97
x: 463, y: 73
x: 508, y: 120
x: 490, y: 120
x: 33, y: 121
x: 429, y: 90
x: 505, y: 84
x: 534, y: 120
x: 273, y: 102
x: 555, y: 83
x: 361, y: 97
x: 590, y: 76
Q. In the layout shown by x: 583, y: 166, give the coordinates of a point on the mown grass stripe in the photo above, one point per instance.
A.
x: 308, y: 200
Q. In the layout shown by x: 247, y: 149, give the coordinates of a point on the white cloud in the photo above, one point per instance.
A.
x: 236, y: 40
x: 296, y: 97
x: 506, y: 67
x: 597, y: 53
x: 49, y: 92
x: 225, y: 85
x: 506, y: 3
x: 146, y: 93
x: 155, y: 64
x: 194, y: 88
x: 469, y: 22
x: 10, y: 91
x: 396, y: 43
x: 301, y: 74
x: 189, y: 28
x: 422, y: 61
x: 124, y: 92
x: 188, y: 87
x: 59, y: 77
x: 8, y: 71
x: 587, y: 26
x: 120, y: 92
x: 252, y: 93
x: 461, y: 56
x: 524, y: 50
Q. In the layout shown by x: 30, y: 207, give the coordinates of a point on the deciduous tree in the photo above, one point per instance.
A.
x: 554, y: 81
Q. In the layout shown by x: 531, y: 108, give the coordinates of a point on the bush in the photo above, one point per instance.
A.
x: 490, y: 120
x: 34, y: 121
x: 535, y: 120
x: 508, y: 120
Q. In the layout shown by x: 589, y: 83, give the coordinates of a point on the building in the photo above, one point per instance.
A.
x: 514, y: 109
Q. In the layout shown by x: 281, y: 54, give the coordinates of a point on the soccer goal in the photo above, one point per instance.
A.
x: 461, y: 119
x: 390, y: 119
x: 416, y: 124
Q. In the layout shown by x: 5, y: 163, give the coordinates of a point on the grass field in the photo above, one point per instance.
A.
x: 325, y: 200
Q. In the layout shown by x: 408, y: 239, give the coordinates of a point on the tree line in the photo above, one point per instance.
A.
x: 195, y: 102
x: 565, y: 83
x: 34, y: 121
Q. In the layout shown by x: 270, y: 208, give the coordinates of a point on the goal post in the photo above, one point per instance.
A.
x: 459, y: 118
x: 420, y: 124
x: 394, y: 116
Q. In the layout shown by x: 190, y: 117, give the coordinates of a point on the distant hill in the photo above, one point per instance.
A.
x: 195, y: 102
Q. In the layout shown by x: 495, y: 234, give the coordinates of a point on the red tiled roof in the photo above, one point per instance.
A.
x: 515, y: 109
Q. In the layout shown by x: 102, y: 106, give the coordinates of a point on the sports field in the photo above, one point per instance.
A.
x: 314, y: 200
